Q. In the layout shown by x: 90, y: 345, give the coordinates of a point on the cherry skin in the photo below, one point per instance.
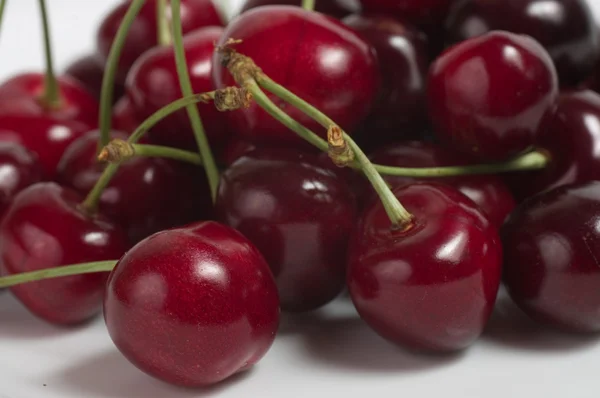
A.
x: 143, y: 32
x: 44, y: 228
x: 45, y: 136
x: 20, y: 169
x: 124, y: 116
x: 153, y: 83
x: 551, y: 244
x: 302, y: 226
x: 146, y: 195
x: 192, y: 306
x: 89, y: 72
x: 335, y: 8
x: 491, y: 96
x: 431, y: 287
x: 403, y: 60
x: 426, y: 12
x: 312, y: 55
x: 566, y: 28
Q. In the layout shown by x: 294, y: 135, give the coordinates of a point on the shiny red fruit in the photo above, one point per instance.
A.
x: 433, y: 286
x: 124, y: 117
x: 44, y: 228
x: 312, y: 55
x: 552, y: 246
x: 192, y: 306
x: 421, y: 12
x: 492, y: 96
x: 19, y: 168
x: 335, y: 8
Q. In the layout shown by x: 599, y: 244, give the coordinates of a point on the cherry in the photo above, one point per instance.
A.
x: 45, y: 228
x: 402, y: 52
x: 427, y: 12
x: 143, y: 32
x: 551, y: 245
x: 147, y: 195
x: 335, y: 8
x: 124, y: 117
x: 192, y: 306
x: 19, y: 168
x: 299, y: 214
x: 45, y: 136
x: 89, y: 72
x: 432, y: 286
x: 566, y: 28
x: 491, y: 96
x: 314, y: 56
x: 153, y: 83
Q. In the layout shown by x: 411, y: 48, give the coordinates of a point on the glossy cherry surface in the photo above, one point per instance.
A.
x: 335, y: 8
x: 299, y: 214
x: 146, y: 195
x: 153, y: 83
x: 19, y: 168
x: 566, y: 28
x: 434, y: 285
x: 314, y: 56
x: 124, y: 116
x: 552, y: 245
x: 491, y: 96
x: 192, y: 306
x: 422, y: 12
x: 143, y: 33
x: 89, y: 72
x: 402, y: 51
x: 44, y: 228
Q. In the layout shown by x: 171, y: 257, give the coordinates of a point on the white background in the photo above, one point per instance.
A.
x: 328, y: 354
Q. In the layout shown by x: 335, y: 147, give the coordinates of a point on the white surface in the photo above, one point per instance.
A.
x: 328, y: 354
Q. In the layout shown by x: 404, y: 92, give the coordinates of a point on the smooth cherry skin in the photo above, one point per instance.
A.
x: 433, y: 286
x: 89, y: 72
x: 143, y: 32
x: 44, y: 228
x: 124, y: 116
x: 192, y: 306
x: 491, y: 96
x: 312, y: 55
x: 335, y: 8
x: 551, y: 245
x: 19, y: 168
x: 299, y: 214
x: 153, y: 83
x: 566, y: 28
x: 421, y: 12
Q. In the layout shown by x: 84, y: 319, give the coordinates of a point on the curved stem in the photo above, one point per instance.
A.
x: 92, y: 200
x: 212, y: 172
x: 2, y: 7
x: 65, y: 270
x: 309, y: 5
x: 162, y: 24
x: 167, y: 152
x: 51, y: 96
x: 112, y: 64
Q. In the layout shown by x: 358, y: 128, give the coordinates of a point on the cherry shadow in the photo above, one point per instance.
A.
x: 16, y: 322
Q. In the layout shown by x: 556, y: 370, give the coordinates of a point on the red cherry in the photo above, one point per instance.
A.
x: 45, y: 136
x: 153, y: 83
x: 566, y: 28
x: 492, y: 95
x: 19, y: 168
x: 551, y: 244
x: 427, y: 12
x: 44, y: 228
x: 192, y: 306
x: 143, y: 32
x: 146, y: 195
x: 299, y: 215
x: 89, y: 72
x: 124, y: 117
x: 335, y: 8
x: 434, y: 285
x: 314, y: 56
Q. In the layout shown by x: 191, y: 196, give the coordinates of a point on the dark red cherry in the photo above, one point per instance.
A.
x: 44, y: 228
x: 335, y: 8
x: 143, y: 33
x: 421, y: 12
x: 566, y: 28
x: 19, y: 168
x: 153, y: 83
x: 299, y: 214
x: 146, y: 195
x: 21, y: 96
x: 552, y: 245
x: 489, y: 192
x: 45, y: 136
x: 434, y: 285
x: 89, y: 72
x: 124, y: 117
x: 314, y: 56
x: 192, y: 306
x: 491, y: 96
x: 400, y: 110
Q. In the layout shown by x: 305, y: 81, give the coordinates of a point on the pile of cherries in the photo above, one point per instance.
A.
x: 196, y: 294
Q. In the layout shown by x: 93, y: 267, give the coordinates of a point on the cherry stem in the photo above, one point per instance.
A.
x: 51, y: 96
x: 2, y: 6
x: 210, y: 166
x: 65, y: 270
x: 110, y: 72
x: 308, y: 5
x: 118, y: 151
x: 162, y: 24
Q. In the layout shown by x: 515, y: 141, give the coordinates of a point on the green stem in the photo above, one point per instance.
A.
x: 309, y: 4
x: 212, y: 172
x: 90, y: 204
x: 2, y: 6
x: 167, y: 152
x: 162, y: 24
x: 112, y: 64
x: 65, y: 270
x: 51, y: 97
